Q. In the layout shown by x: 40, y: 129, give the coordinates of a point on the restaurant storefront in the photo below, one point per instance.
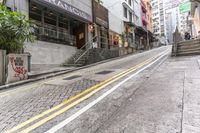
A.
x: 62, y: 27
x: 59, y: 22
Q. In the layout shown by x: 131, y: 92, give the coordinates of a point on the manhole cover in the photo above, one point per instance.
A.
x: 72, y: 77
x: 104, y: 72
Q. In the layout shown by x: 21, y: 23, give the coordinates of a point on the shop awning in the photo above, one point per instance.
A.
x: 131, y: 24
x: 140, y: 31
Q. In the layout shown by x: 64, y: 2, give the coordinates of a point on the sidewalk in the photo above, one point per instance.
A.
x: 167, y: 102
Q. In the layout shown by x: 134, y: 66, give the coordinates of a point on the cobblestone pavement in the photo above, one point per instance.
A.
x: 22, y: 103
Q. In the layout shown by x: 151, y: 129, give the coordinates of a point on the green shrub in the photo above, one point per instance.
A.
x: 15, y: 29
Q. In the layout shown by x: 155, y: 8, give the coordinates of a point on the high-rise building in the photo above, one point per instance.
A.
x: 171, y: 18
x: 175, y: 18
x: 158, y: 16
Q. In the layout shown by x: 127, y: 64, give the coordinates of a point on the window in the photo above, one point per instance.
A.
x: 129, y: 2
x: 137, y: 19
x: 130, y: 17
x: 125, y: 12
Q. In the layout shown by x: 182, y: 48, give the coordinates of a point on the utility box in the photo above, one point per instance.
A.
x: 2, y: 66
x: 17, y: 67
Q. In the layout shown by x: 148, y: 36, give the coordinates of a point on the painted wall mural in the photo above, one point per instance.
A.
x: 17, y: 67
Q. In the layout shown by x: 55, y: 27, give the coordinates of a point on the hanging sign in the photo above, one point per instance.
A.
x: 185, y: 7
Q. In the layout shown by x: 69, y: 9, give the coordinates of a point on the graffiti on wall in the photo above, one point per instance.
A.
x: 18, y: 67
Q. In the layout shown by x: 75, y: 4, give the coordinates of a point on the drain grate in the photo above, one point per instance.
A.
x: 104, y: 72
x: 72, y: 77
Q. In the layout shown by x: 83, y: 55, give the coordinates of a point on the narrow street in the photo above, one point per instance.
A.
x: 99, y: 66
x: 146, y: 92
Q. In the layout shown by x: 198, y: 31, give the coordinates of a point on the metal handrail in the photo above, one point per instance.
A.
x: 88, y: 43
x: 87, y: 50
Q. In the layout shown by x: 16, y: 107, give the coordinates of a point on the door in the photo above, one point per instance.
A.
x: 79, y: 32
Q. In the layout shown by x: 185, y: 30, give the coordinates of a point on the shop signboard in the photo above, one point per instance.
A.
x: 185, y: 7
x: 69, y: 8
x: 100, y: 14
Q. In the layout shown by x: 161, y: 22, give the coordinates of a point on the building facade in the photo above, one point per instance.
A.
x: 158, y: 16
x: 194, y: 19
x: 62, y: 27
x: 121, y: 21
x: 101, y: 24
x: 171, y: 19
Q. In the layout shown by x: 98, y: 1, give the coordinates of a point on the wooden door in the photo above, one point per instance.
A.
x: 79, y: 32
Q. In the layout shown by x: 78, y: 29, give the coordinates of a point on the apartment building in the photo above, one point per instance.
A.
x: 158, y: 16
x: 122, y: 19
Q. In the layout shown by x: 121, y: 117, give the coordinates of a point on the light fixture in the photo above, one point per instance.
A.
x: 34, y: 7
x: 50, y: 13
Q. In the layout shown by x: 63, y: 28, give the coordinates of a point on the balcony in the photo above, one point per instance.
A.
x: 144, y: 20
x: 144, y: 7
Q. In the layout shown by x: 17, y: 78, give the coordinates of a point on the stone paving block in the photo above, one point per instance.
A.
x: 20, y: 110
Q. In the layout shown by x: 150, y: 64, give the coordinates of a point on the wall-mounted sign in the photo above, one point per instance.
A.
x: 100, y: 14
x: 69, y: 8
x: 101, y: 22
x: 185, y: 7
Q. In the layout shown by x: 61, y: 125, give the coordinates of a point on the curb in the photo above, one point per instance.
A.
x: 62, y: 72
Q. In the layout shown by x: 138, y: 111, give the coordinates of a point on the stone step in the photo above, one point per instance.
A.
x: 191, y: 47
x: 188, y: 53
x: 189, y: 42
x: 72, y: 65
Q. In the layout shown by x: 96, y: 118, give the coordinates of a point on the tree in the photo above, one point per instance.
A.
x: 15, y: 29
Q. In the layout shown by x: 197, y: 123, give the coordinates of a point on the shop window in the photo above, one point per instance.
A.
x: 63, y: 22
x: 50, y: 18
x: 35, y: 13
x: 131, y: 37
x: 130, y: 17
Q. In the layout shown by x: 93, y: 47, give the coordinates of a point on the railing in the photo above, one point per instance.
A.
x: 53, y: 35
x: 86, y: 47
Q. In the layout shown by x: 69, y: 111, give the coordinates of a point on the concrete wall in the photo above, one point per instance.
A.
x: 137, y: 10
x: 115, y: 23
x: 116, y: 7
x: 45, y: 54
x: 19, y: 5
x: 2, y: 66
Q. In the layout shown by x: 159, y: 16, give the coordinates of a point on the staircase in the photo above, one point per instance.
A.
x: 191, y: 47
x: 89, y: 55
x: 81, y: 56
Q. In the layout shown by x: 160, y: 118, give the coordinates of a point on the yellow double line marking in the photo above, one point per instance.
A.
x: 82, y: 96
